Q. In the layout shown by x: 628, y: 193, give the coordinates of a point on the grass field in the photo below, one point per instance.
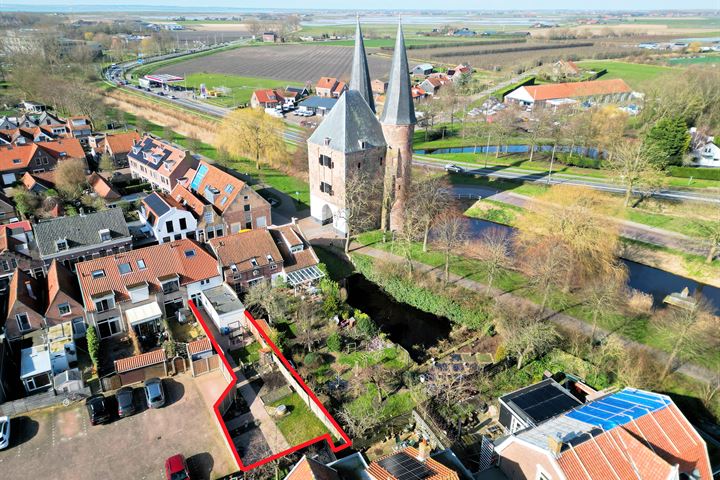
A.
x: 704, y: 60
x: 300, y: 425
x: 241, y: 87
x: 634, y: 74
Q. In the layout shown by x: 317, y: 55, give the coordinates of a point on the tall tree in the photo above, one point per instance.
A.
x: 523, y: 336
x: 429, y: 196
x: 70, y: 177
x: 710, y: 229
x: 634, y: 165
x: 670, y: 137
x: 263, y: 297
x: 601, y: 295
x: 362, y: 198
x: 451, y: 233
x: 106, y: 162
x: 493, y: 250
x: 251, y: 132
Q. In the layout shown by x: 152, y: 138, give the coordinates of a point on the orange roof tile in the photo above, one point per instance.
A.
x: 326, y: 82
x: 199, y: 346
x: 140, y: 361
x: 120, y: 143
x: 340, y: 87
x: 60, y: 279
x: 310, y: 469
x: 228, y: 186
x: 14, y: 157
x: 183, y: 258
x: 102, y: 187
x: 64, y: 148
x: 18, y: 291
x: 188, y: 199
x: 577, y: 89
x: 440, y: 471
x: 240, y: 248
x: 269, y: 96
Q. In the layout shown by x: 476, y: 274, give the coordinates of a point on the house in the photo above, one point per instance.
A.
x: 530, y: 406
x: 311, y: 469
x: 267, y: 98
x: 136, y: 289
x: 17, y: 251
x: 209, y: 222
x: 81, y: 237
x: 597, y: 91
x: 269, y: 37
x: 26, y: 305
x: 7, y: 209
x: 79, y: 127
x: 627, y: 434
x: 317, y: 105
x: 166, y: 218
x: 330, y: 87
x: 418, y: 93
x: 410, y: 463
x: 565, y: 68
x: 102, y: 188
x: 434, y: 82
x: 703, y: 149
x: 41, y: 181
x: 64, y: 300
x: 238, y: 204
x: 53, y: 352
x: 300, y: 263
x: 25, y: 135
x: 462, y: 32
x: 378, y: 87
x: 247, y: 258
x: 15, y: 160
x: 116, y: 145
x: 296, y: 93
x: 457, y: 73
x: 33, y: 107
x: 159, y: 163
x: 422, y: 70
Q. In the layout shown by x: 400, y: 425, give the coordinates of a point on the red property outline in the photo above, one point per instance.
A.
x: 231, y: 385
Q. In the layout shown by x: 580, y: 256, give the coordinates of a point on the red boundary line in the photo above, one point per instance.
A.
x: 335, y: 448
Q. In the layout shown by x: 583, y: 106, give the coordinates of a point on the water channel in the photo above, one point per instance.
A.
x: 584, y: 151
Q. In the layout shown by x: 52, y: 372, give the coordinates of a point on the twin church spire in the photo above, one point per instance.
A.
x: 398, y: 108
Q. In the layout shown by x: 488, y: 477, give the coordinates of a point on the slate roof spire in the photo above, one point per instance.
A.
x: 399, y: 108
x: 360, y: 75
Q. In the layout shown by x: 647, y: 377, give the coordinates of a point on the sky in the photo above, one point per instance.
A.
x: 532, y: 5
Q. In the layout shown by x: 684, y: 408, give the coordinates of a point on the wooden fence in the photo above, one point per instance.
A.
x: 204, y: 365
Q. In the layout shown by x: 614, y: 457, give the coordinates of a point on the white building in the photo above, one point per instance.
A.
x: 167, y: 219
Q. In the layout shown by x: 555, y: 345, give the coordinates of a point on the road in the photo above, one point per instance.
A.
x: 531, y: 176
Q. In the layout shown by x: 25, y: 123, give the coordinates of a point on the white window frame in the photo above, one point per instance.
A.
x: 69, y: 309
x: 19, y: 323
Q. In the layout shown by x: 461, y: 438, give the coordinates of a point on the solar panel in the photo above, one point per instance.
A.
x: 405, y: 467
x: 545, y: 402
x: 157, y: 204
x: 201, y: 172
x: 619, y: 408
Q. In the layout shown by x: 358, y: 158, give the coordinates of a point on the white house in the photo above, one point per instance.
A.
x: 704, y: 151
x: 52, y: 353
x: 166, y: 218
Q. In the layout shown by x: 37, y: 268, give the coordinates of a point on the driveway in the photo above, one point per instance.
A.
x: 60, y: 443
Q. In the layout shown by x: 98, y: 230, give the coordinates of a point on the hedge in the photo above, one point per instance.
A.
x: 695, y: 172
x: 500, y: 94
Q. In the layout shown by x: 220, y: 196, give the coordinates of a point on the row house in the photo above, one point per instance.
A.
x: 159, y: 163
x: 25, y: 135
x: 7, y: 209
x: 116, y: 145
x: 31, y: 120
x: 240, y: 207
x: 253, y: 256
x: 38, y: 157
x: 136, y: 289
x: 79, y: 127
x: 208, y: 222
x: 166, y: 218
x: 17, y: 252
x: 40, y: 182
x: 81, y: 237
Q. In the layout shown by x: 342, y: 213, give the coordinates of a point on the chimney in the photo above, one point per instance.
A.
x: 423, y: 450
x: 555, y: 444
x: 30, y: 290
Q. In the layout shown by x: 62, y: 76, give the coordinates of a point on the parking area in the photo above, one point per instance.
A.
x: 60, y: 443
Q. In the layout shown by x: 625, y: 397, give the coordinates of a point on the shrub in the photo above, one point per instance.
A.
x: 93, y: 343
x: 334, y: 342
x: 312, y: 360
x: 365, y: 324
x: 694, y: 172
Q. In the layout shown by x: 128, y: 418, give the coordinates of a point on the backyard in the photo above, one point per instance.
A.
x: 299, y: 425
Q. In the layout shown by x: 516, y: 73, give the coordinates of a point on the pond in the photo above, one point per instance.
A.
x: 643, y: 278
x: 413, y: 329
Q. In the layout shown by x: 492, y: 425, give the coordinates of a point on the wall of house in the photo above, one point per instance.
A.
x: 237, y: 218
x: 161, y: 231
x: 239, y: 280
x: 70, y: 257
x: 194, y: 289
x: 11, y: 326
x: 53, y: 316
x: 520, y: 462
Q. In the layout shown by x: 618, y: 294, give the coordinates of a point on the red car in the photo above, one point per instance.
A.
x: 176, y: 468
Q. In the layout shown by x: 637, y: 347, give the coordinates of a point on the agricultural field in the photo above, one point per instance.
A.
x: 633, y: 73
x: 701, y: 60
x: 241, y: 88
x: 289, y: 63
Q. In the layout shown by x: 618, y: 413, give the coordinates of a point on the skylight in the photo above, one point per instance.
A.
x: 141, y: 264
x: 98, y: 273
x: 124, y: 268
x: 189, y: 253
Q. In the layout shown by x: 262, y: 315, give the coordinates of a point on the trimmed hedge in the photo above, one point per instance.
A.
x: 500, y: 94
x: 695, y: 172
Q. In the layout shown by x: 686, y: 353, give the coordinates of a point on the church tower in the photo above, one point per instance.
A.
x: 398, y: 125
x: 360, y: 74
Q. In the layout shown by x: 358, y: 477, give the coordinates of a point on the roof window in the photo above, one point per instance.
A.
x: 98, y: 273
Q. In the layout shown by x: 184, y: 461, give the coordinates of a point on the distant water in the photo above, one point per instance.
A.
x: 173, y: 10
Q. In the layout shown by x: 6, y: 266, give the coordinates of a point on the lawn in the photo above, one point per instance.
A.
x: 634, y: 74
x: 300, y: 425
x: 247, y: 354
x: 241, y: 88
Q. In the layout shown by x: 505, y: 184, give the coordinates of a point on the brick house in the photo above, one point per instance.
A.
x: 74, y: 239
x: 15, y: 160
x: 136, y: 289
x: 267, y: 98
x: 64, y: 299
x: 79, y: 127
x: 117, y: 145
x: 209, y: 223
x: 159, y: 163
x: 16, y: 252
x: 330, y: 87
x: 26, y: 305
x: 236, y: 202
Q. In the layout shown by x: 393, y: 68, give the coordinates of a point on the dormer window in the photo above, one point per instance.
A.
x: 327, y: 141
x: 105, y: 235
x: 269, y: 258
x: 363, y: 144
x: 61, y: 245
x: 296, y: 248
x: 253, y: 262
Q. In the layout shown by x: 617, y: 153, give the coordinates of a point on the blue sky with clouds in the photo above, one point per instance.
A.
x: 401, y: 4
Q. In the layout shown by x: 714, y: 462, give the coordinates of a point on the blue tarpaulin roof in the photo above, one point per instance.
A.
x: 619, y: 408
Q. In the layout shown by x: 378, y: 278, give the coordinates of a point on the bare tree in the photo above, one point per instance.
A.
x: 524, y: 337
x: 362, y: 199
x: 546, y: 264
x: 494, y: 251
x: 710, y: 229
x: 634, y: 166
x: 262, y: 296
x: 452, y: 388
x: 451, y: 233
x: 601, y: 295
x: 691, y: 331
x: 306, y: 319
x: 429, y: 196
x: 70, y: 177
x: 360, y: 419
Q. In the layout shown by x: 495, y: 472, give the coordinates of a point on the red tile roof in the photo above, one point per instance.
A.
x: 102, y: 187
x: 269, y: 96
x: 577, y: 89
x: 326, y: 82
x: 310, y: 469
x: 120, y: 143
x: 187, y: 198
x: 17, y: 156
x: 60, y: 279
x: 339, y: 88
x: 240, y: 248
x: 229, y: 187
x: 18, y: 291
x: 172, y: 258
x: 199, y: 346
x: 64, y: 148
x: 440, y: 471
x: 140, y: 361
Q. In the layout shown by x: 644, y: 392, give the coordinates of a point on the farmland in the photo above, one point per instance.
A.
x: 701, y: 60
x: 289, y: 63
x: 633, y: 73
x: 241, y: 88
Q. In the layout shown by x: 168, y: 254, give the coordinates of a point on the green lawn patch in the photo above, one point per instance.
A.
x: 241, y: 88
x: 634, y: 74
x: 247, y: 354
x: 300, y: 425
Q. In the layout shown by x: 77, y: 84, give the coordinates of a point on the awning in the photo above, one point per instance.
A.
x: 143, y: 313
x: 304, y: 275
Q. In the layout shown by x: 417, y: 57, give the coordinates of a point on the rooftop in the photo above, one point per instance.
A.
x: 80, y: 230
x: 223, y: 299
x: 541, y: 401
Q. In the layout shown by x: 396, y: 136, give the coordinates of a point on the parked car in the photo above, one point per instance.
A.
x: 154, y: 393
x: 97, y: 407
x: 4, y: 432
x: 126, y: 406
x: 452, y: 168
x: 176, y: 468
